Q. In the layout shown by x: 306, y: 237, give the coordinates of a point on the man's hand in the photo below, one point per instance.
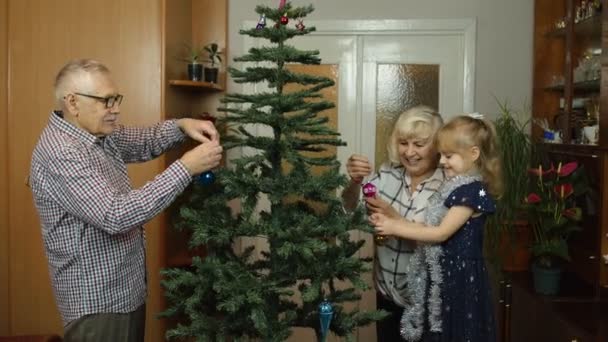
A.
x: 200, y: 130
x: 358, y: 167
x: 203, y: 157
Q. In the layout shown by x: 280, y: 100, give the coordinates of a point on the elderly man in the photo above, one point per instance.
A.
x: 91, y: 216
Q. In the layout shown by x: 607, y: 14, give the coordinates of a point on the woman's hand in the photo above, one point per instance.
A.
x: 358, y: 167
x: 376, y: 205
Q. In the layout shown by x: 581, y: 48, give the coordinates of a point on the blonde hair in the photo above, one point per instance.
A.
x: 420, y: 122
x: 75, y: 74
x: 465, y: 131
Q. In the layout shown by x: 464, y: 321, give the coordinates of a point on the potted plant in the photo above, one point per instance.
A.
x: 193, y: 55
x: 508, y: 234
x: 554, y: 215
x: 213, y: 56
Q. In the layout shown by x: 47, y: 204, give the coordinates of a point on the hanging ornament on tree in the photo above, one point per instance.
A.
x: 284, y: 19
x: 300, y: 25
x: 261, y: 23
x: 369, y: 190
x: 205, y: 178
x: 326, y: 311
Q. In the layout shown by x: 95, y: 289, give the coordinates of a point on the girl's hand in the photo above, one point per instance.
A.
x: 383, y: 224
x: 377, y: 205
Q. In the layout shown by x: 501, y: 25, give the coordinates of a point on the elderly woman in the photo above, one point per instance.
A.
x: 404, y: 187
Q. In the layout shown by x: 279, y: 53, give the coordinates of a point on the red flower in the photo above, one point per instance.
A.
x: 538, y: 171
x: 567, y: 169
x: 563, y: 190
x: 533, y: 198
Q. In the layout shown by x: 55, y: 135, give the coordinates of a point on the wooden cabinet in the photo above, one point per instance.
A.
x: 570, y: 92
x: 571, y: 96
x: 573, y: 316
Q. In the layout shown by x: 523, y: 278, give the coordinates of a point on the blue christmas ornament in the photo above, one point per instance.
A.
x: 205, y: 178
x: 326, y: 311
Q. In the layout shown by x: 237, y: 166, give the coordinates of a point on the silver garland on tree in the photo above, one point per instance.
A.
x: 425, y: 263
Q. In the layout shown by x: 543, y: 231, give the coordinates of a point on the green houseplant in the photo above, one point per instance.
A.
x: 508, y: 234
x: 193, y: 56
x: 214, y: 58
x: 554, y: 215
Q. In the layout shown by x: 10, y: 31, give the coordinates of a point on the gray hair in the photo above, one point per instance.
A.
x: 75, y: 74
x: 420, y: 122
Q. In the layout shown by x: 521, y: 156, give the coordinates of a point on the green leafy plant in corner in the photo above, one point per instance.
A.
x: 213, y: 54
x: 193, y: 54
x: 517, y: 151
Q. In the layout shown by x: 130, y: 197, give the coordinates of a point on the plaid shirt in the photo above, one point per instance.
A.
x: 91, y: 217
x: 392, y: 258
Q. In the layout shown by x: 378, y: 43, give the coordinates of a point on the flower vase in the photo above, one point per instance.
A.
x: 515, y: 247
x: 546, y: 280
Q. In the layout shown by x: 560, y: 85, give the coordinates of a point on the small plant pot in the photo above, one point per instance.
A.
x: 546, y: 280
x: 211, y: 75
x: 195, y: 72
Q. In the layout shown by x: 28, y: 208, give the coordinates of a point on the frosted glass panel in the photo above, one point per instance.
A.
x: 400, y: 87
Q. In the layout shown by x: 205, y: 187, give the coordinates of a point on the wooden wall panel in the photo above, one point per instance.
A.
x: 4, y: 256
x: 213, y: 29
x: 43, y: 35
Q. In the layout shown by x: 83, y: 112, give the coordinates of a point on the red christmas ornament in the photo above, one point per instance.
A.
x: 284, y: 19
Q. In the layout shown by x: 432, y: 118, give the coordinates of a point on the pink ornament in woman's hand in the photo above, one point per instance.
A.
x: 369, y: 190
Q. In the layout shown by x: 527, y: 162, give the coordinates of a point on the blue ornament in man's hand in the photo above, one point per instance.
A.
x: 205, y: 178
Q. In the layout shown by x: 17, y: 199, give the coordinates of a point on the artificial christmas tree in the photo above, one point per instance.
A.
x: 310, y: 263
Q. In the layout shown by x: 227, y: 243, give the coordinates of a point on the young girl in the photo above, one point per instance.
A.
x: 455, y: 218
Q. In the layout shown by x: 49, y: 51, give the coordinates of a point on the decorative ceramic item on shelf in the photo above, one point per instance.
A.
x: 591, y: 134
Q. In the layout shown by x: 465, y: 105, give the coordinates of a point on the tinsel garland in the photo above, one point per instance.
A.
x: 425, y: 263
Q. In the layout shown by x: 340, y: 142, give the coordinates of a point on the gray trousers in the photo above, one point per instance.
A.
x: 115, y: 327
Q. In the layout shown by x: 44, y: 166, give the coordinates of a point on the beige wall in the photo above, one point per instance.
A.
x: 504, y: 36
x: 4, y: 260
x: 42, y: 36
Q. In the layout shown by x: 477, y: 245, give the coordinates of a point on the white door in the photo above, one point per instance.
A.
x: 400, y: 71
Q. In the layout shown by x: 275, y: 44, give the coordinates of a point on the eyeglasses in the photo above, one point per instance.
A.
x: 109, y: 101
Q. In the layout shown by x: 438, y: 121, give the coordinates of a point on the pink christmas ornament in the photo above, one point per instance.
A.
x: 369, y: 190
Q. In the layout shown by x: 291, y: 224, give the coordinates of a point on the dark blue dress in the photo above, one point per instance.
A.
x: 467, y: 310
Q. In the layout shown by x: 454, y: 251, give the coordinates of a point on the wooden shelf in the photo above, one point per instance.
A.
x: 196, y: 85
x: 590, y: 27
x: 585, y: 86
